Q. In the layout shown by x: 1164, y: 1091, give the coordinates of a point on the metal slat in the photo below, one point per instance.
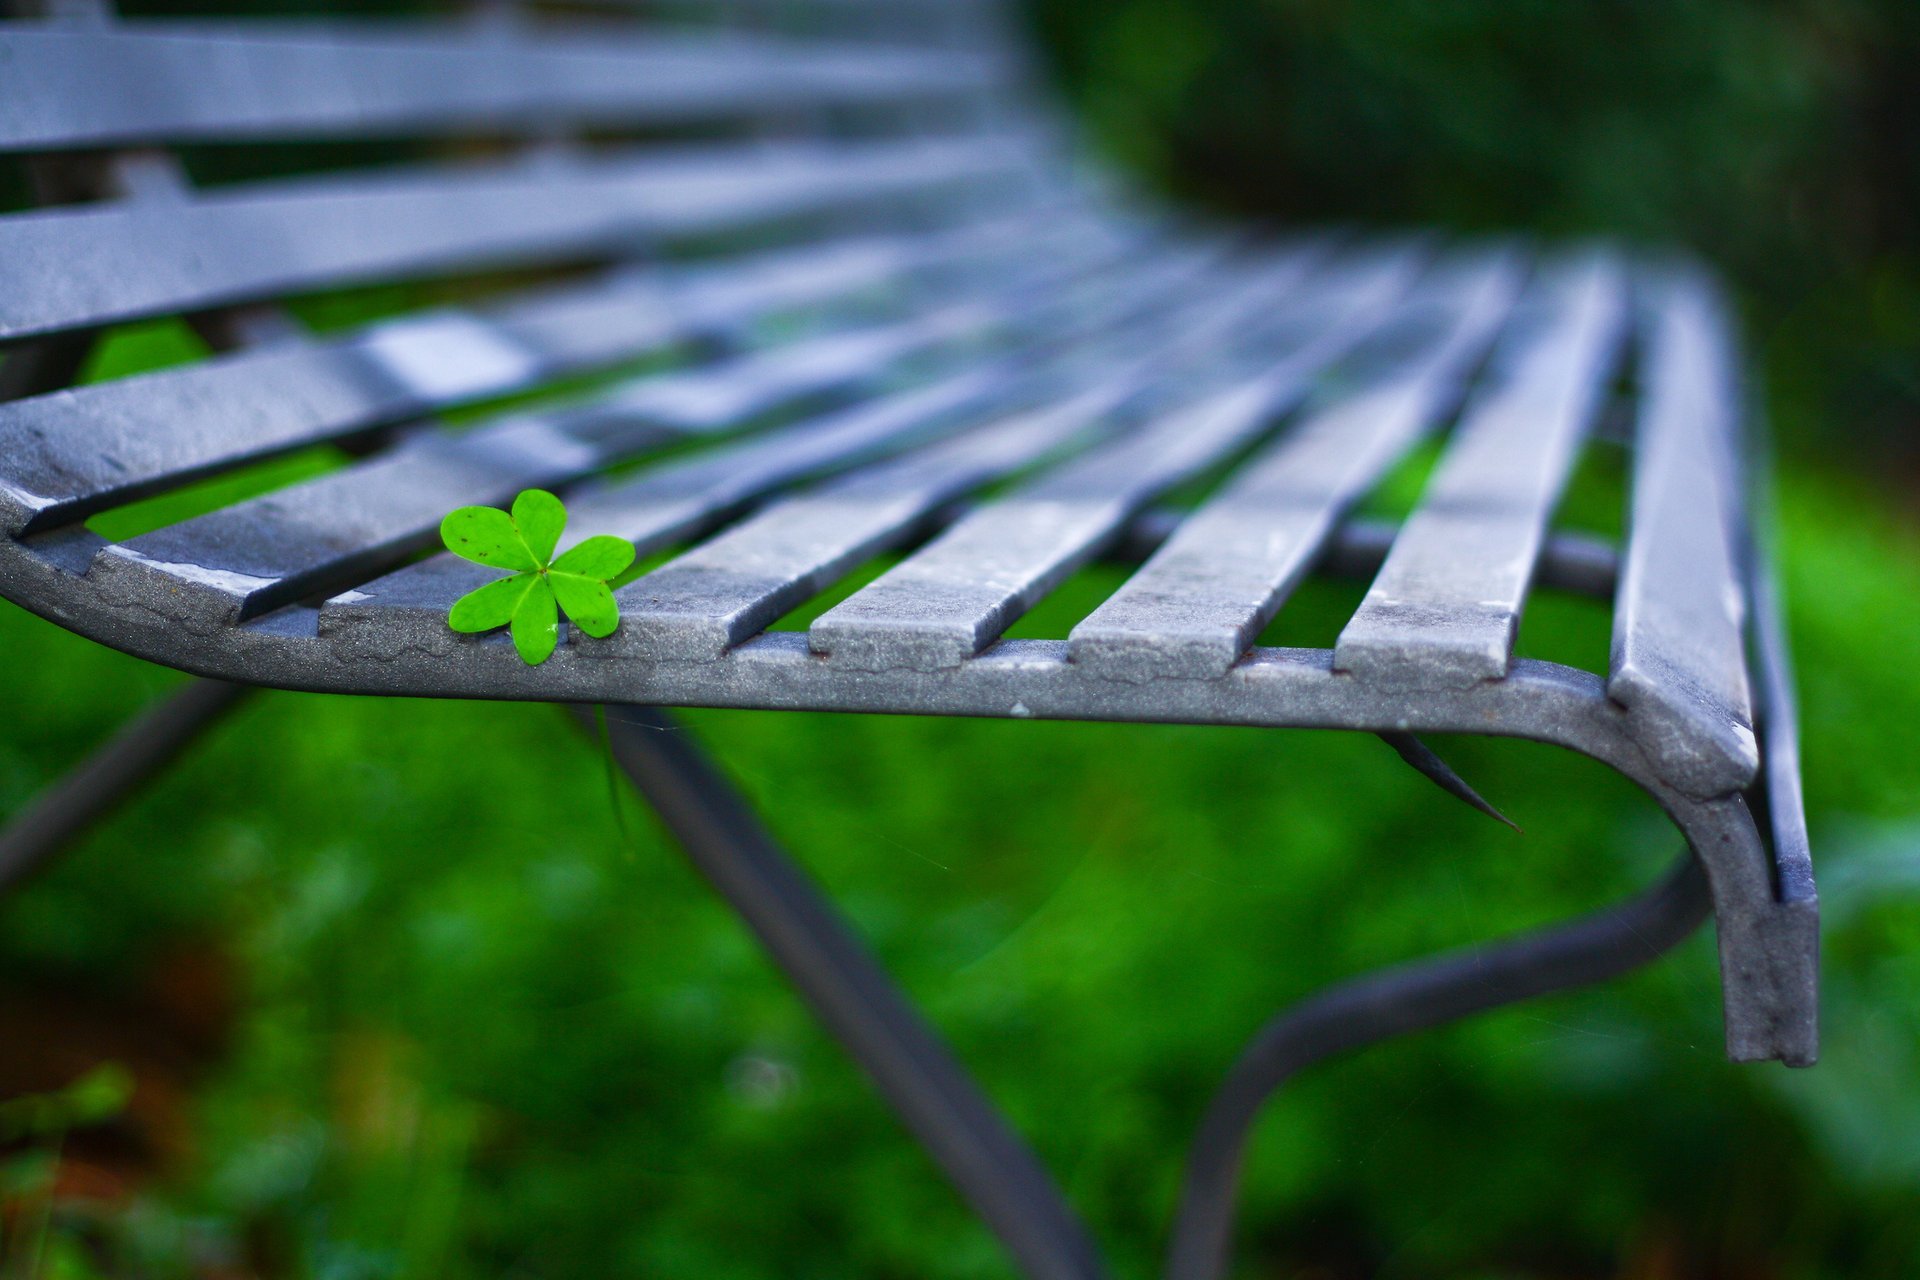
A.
x: 182, y: 81
x: 726, y: 590
x: 68, y: 454
x: 673, y: 502
x: 1445, y: 607
x: 228, y: 565
x: 670, y: 503
x: 943, y: 604
x: 1679, y: 661
x: 93, y: 264
x: 712, y: 397
x: 1203, y: 598
x: 231, y: 564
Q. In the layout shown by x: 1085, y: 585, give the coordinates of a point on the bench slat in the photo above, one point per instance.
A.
x: 1678, y: 650
x: 727, y: 589
x: 643, y: 509
x: 677, y: 501
x: 68, y: 454
x: 153, y: 82
x: 734, y: 586
x: 234, y: 563
x: 1203, y: 598
x: 943, y: 604
x: 1445, y: 607
x: 246, y: 559
x: 91, y: 264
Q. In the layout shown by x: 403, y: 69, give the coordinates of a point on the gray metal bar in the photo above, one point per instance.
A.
x: 725, y: 590
x: 242, y: 560
x: 181, y: 81
x: 941, y: 605
x: 87, y: 793
x: 1446, y: 606
x: 1202, y: 599
x: 849, y: 992
x: 1413, y: 997
x: 674, y: 502
x: 66, y: 455
x: 1679, y: 657
x: 92, y: 264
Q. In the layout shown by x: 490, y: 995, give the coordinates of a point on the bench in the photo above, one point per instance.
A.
x: 778, y: 292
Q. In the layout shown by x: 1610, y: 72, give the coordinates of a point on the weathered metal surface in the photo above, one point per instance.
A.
x: 694, y: 642
x: 1446, y: 606
x: 941, y: 605
x: 1679, y: 656
x: 71, y: 452
x: 1200, y: 602
x: 241, y: 560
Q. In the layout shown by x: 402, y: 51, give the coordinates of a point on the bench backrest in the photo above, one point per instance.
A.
x: 544, y: 130
x: 210, y: 170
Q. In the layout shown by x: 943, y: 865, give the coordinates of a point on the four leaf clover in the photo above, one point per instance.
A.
x: 541, y: 586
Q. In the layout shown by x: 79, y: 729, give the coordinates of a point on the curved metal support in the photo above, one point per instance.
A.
x: 848, y: 990
x: 1408, y: 998
x: 86, y: 793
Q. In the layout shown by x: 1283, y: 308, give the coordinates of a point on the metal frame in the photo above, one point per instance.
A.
x: 1767, y: 915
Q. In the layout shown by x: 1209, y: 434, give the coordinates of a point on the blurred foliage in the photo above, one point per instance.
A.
x: 479, y: 1031
x: 1781, y: 140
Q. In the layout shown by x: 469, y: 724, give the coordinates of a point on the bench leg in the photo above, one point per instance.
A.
x: 1411, y: 997
x: 847, y: 989
x: 88, y: 791
x: 968, y: 1138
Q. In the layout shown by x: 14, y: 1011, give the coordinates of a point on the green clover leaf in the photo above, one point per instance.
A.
x: 530, y: 602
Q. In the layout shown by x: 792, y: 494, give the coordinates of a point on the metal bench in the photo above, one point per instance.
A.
x: 900, y: 325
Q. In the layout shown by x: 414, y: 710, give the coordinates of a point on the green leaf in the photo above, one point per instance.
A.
x: 491, y: 606
x: 486, y: 536
x: 536, y: 624
x: 530, y: 601
x: 588, y: 601
x: 602, y: 557
x: 540, y: 517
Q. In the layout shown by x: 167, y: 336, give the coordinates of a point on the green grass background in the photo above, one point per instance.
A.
x: 487, y: 1029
